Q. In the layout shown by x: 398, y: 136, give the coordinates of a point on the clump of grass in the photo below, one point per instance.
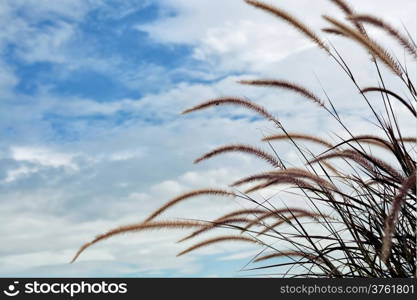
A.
x: 361, y: 217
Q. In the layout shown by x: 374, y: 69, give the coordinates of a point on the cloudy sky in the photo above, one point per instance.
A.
x: 92, y: 138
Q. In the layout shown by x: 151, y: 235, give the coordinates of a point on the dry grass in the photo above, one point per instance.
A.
x: 370, y: 45
x: 285, y: 85
x: 298, y: 136
x: 392, y: 218
x: 180, y: 198
x: 142, y: 226
x: 236, y: 102
x: 243, y: 149
x: 359, y: 218
x: 402, y: 39
x: 348, y: 10
x: 285, y: 254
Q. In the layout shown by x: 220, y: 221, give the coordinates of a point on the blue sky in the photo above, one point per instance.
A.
x: 92, y: 138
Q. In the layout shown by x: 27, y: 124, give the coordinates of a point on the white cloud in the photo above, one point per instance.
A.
x: 15, y: 174
x: 246, y: 46
x: 151, y: 252
x: 43, y: 156
x: 241, y: 38
x: 86, y: 107
x: 47, y: 45
x: 240, y: 255
x: 125, y: 155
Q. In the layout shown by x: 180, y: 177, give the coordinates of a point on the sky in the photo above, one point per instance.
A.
x: 92, y: 137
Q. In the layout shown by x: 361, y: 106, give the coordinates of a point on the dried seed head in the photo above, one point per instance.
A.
x: 404, y: 41
x: 138, y: 227
x: 195, y: 193
x: 286, y: 85
x: 241, y: 148
x: 236, y: 102
x: 369, y: 44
